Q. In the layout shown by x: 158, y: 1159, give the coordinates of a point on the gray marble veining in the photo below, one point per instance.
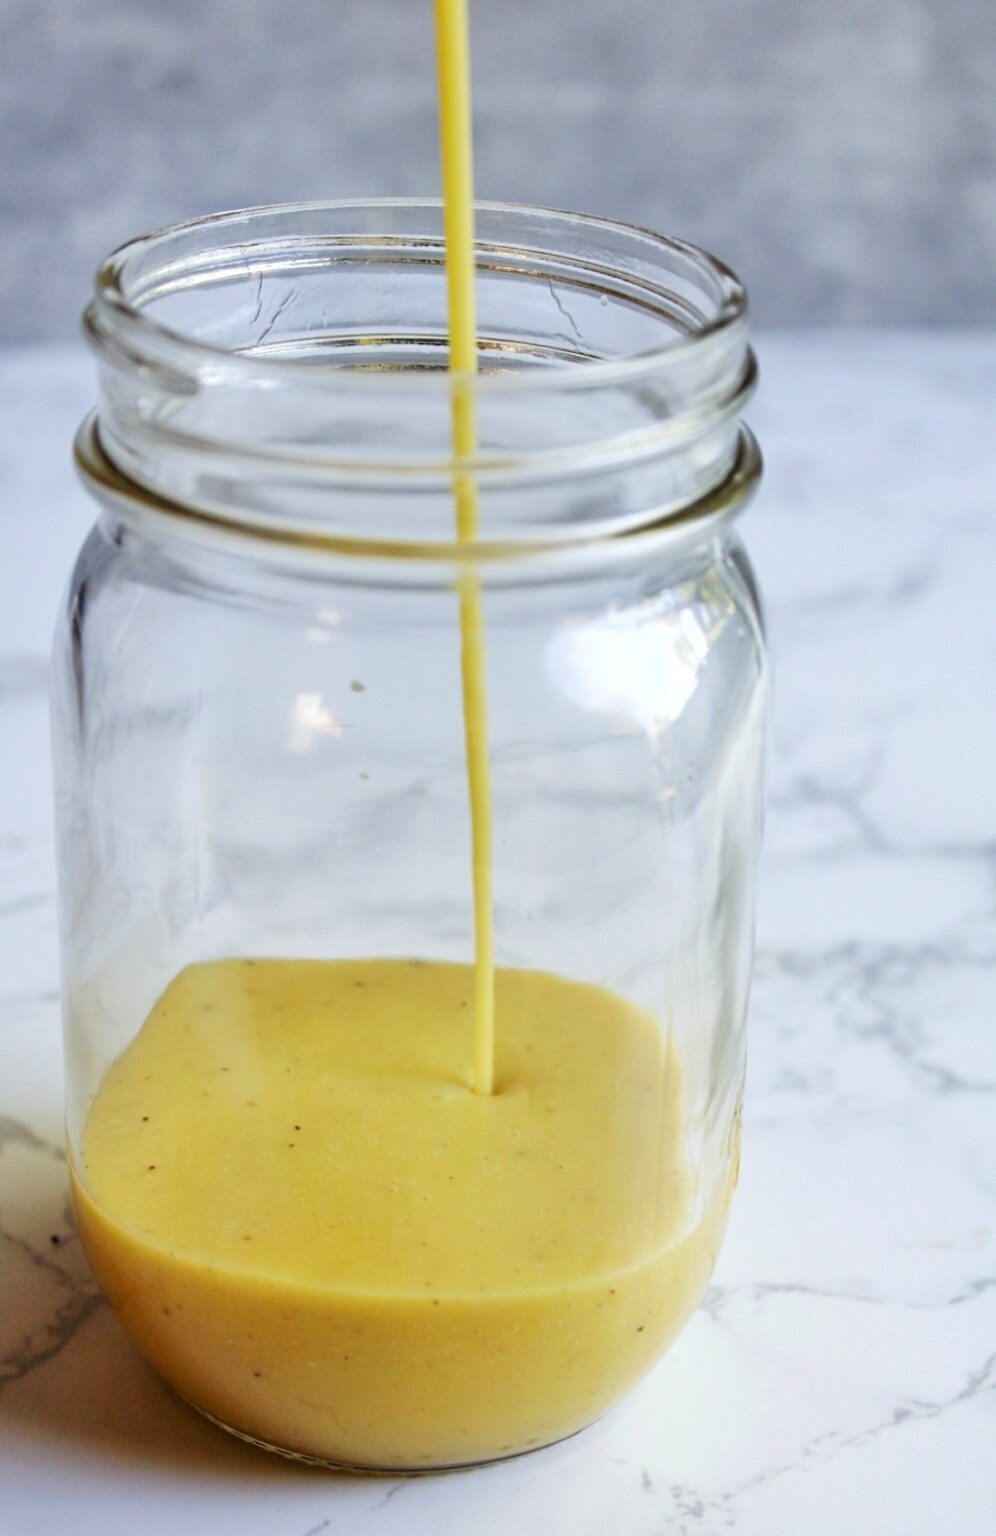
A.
x: 840, y: 1375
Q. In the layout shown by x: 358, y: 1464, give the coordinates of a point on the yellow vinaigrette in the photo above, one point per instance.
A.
x: 318, y: 1235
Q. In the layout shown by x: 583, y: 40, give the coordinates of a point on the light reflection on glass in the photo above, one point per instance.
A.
x: 309, y: 721
x: 641, y: 669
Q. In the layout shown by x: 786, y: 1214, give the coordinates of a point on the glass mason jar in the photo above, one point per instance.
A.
x: 306, y: 1218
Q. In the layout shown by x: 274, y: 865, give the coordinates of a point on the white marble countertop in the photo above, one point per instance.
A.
x: 840, y: 1376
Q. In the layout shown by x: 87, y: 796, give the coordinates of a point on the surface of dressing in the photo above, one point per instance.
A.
x: 317, y: 1234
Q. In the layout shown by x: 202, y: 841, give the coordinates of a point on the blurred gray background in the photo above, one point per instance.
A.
x: 841, y: 154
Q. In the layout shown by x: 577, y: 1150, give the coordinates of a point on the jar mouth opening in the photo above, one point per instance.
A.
x: 288, y: 366
x: 686, y: 293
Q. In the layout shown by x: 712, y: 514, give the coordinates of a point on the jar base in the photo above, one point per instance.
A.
x: 360, y: 1469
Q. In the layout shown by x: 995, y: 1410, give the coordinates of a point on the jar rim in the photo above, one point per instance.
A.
x: 287, y: 366
x: 136, y: 329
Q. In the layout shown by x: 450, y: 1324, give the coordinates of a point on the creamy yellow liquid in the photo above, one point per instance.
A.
x: 456, y: 146
x: 318, y: 1234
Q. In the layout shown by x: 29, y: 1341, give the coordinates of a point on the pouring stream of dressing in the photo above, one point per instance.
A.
x: 456, y: 147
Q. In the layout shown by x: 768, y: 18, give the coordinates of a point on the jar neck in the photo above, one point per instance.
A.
x: 284, y: 370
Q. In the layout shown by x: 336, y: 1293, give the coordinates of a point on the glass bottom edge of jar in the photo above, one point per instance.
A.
x: 360, y: 1469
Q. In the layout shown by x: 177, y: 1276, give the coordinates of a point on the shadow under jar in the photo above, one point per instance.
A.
x: 304, y: 1216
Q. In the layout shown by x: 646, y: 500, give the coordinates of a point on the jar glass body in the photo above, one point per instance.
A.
x: 265, y: 873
